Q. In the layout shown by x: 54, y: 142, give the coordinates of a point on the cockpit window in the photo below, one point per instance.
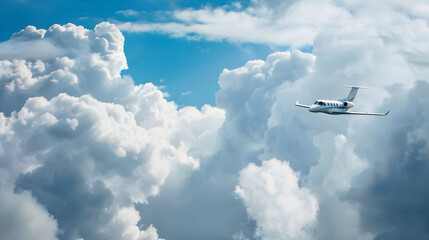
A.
x: 316, y: 102
x: 320, y: 103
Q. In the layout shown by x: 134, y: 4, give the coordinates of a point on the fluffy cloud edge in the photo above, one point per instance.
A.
x: 70, y: 116
x: 281, y: 208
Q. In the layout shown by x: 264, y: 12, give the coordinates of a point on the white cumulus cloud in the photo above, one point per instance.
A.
x: 282, y: 209
x: 81, y: 144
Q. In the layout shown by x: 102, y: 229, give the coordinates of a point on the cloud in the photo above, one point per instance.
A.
x: 247, y: 93
x: 86, y: 142
x: 129, y: 217
x: 239, y: 236
x: 395, y: 182
x: 333, y: 162
x: 351, y: 165
x: 290, y: 23
x: 75, y: 133
x: 22, y: 216
x: 186, y: 93
x: 29, y: 43
x: 35, y: 50
x: 281, y: 208
x: 331, y: 179
x: 128, y: 12
x: 278, y: 23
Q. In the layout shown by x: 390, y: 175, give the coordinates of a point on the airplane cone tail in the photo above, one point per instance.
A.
x: 354, y: 91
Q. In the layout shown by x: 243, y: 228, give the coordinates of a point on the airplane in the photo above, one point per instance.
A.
x: 338, y: 107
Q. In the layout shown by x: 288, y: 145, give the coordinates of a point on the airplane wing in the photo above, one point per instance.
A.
x: 362, y: 113
x: 301, y: 105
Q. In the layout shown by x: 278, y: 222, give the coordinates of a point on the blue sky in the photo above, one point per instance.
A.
x: 188, y: 70
x: 92, y: 150
x: 182, y: 65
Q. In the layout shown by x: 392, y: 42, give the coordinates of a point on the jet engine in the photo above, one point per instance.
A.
x: 348, y: 104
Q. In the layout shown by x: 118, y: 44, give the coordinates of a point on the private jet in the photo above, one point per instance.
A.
x: 338, y: 107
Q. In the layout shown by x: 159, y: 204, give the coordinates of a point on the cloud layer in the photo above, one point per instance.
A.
x: 259, y: 23
x: 342, y: 162
x: 296, y: 23
x: 81, y: 144
x: 350, y: 172
x: 83, y: 150
x: 348, y: 164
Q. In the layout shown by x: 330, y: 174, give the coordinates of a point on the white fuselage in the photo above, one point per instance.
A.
x: 336, y: 107
x: 330, y: 106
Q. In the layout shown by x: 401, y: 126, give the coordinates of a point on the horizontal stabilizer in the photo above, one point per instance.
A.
x: 355, y: 86
x: 353, y: 92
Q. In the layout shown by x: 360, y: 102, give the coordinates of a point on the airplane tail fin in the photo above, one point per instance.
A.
x: 353, y: 92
